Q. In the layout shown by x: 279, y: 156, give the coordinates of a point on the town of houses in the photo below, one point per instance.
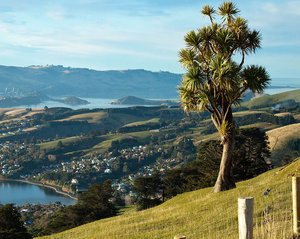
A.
x: 101, y: 164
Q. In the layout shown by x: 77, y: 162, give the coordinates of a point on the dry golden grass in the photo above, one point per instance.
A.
x: 18, y: 114
x: 15, y: 112
x: 261, y: 125
x: 247, y: 112
x: 279, y: 136
x: 90, y: 117
x: 35, y: 111
x: 30, y: 129
x: 297, y: 117
x: 279, y: 142
x: 201, y: 214
x: 4, y: 110
x: 283, y: 114
x: 154, y: 120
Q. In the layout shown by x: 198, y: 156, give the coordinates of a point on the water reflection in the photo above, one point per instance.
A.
x: 18, y: 193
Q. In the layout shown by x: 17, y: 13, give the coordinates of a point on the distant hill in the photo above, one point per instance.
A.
x: 280, y: 139
x: 276, y: 101
x: 24, y: 99
x: 82, y: 82
x: 132, y: 100
x: 71, y: 100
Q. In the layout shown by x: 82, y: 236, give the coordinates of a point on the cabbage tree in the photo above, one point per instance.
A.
x: 216, y: 77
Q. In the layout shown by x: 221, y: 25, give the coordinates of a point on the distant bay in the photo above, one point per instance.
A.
x: 278, y: 85
x: 94, y: 103
x: 277, y: 90
x: 18, y: 193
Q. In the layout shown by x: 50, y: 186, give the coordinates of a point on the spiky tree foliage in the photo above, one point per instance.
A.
x: 214, y: 81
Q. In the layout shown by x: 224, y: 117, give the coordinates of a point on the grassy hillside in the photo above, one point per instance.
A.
x: 195, y: 133
x: 53, y: 144
x: 279, y: 139
x: 90, y: 117
x: 15, y: 114
x: 200, y: 214
x: 154, y: 120
x: 105, y: 144
x: 273, y: 99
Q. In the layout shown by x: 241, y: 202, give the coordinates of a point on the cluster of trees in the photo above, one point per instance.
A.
x: 137, y: 110
x: 143, y: 127
x: 294, y: 144
x: 256, y: 118
x: 185, y: 146
x: 122, y: 144
x: 269, y: 118
x: 171, y: 114
x: 11, y: 226
x: 292, y: 109
x: 92, y: 205
x: 151, y: 191
x: 249, y: 160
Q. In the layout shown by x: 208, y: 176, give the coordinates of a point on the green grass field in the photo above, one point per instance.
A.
x: 279, y: 139
x: 201, y: 214
x: 90, y: 117
x: 154, y: 120
x: 105, y: 144
x: 273, y: 99
x: 247, y: 112
x: 145, y: 135
x: 262, y: 125
x: 53, y: 144
x: 124, y: 119
x: 102, y: 147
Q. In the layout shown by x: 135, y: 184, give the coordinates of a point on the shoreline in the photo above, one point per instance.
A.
x: 57, y: 189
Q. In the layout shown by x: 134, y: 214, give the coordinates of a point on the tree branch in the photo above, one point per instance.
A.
x: 243, y: 59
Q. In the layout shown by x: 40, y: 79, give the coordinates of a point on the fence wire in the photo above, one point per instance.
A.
x: 272, y: 217
x: 211, y: 221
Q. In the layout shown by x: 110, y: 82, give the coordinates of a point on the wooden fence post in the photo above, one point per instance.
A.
x: 296, y: 204
x: 245, y: 212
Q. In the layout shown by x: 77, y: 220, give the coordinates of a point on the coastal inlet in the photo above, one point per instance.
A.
x: 18, y: 192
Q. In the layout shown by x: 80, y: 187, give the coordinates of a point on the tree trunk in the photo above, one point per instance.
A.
x: 224, y: 180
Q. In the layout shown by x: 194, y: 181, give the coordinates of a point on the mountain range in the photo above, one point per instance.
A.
x: 82, y: 82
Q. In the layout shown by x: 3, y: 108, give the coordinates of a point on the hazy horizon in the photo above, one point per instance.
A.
x: 131, y: 34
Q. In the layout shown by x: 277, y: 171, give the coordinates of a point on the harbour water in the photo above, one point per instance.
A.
x: 94, y: 103
x: 18, y: 193
x: 278, y: 85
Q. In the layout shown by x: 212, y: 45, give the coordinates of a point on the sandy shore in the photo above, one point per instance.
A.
x: 55, y: 188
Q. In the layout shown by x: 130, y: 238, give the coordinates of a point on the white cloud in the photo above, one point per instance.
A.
x: 56, y: 12
x: 143, y: 31
x: 270, y: 8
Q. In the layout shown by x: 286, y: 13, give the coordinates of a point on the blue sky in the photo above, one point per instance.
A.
x: 136, y: 34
